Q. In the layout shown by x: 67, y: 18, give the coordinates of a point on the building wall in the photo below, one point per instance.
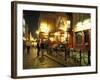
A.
x: 55, y: 22
x: 79, y: 37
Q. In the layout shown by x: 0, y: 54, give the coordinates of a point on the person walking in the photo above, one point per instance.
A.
x: 42, y: 48
x: 67, y: 50
x: 38, y: 48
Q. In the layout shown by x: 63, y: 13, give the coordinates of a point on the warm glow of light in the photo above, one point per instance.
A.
x: 44, y: 28
x: 86, y: 24
x: 45, y: 33
x: 62, y: 39
x: 44, y: 40
x: 68, y: 23
x: 51, y: 39
x: 65, y: 35
x: 31, y: 38
x: 63, y: 28
x: 37, y: 32
x: 57, y: 33
x: 79, y: 26
x: 34, y: 43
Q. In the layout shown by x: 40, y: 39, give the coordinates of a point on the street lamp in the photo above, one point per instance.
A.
x: 37, y: 32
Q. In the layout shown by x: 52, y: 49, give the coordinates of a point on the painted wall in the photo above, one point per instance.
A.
x: 5, y: 41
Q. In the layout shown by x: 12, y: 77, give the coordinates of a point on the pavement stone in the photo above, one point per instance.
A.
x: 54, y: 60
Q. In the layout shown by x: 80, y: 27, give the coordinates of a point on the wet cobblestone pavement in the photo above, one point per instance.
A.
x: 31, y: 61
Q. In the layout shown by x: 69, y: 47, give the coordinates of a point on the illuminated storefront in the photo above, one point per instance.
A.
x: 54, y: 27
x: 82, y: 31
x: 72, y: 29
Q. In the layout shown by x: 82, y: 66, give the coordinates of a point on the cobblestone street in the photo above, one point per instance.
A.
x: 31, y: 61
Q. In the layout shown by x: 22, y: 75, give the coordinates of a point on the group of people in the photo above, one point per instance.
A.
x: 44, y: 46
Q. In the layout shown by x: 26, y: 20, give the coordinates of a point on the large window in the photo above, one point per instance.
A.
x: 78, y: 37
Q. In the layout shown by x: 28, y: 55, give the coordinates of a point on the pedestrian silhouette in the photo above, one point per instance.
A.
x: 42, y: 48
x: 67, y: 50
x: 38, y: 48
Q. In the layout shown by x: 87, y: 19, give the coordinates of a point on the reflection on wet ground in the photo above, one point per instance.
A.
x: 32, y: 61
x: 54, y: 60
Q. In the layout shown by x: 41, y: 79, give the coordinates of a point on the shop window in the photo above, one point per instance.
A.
x: 78, y: 37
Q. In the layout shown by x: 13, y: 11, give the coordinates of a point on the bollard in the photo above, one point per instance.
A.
x: 89, y: 57
x: 80, y: 56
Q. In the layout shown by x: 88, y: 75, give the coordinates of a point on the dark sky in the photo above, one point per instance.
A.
x: 31, y: 19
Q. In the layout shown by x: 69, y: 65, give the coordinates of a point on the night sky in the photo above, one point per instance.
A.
x: 31, y: 19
